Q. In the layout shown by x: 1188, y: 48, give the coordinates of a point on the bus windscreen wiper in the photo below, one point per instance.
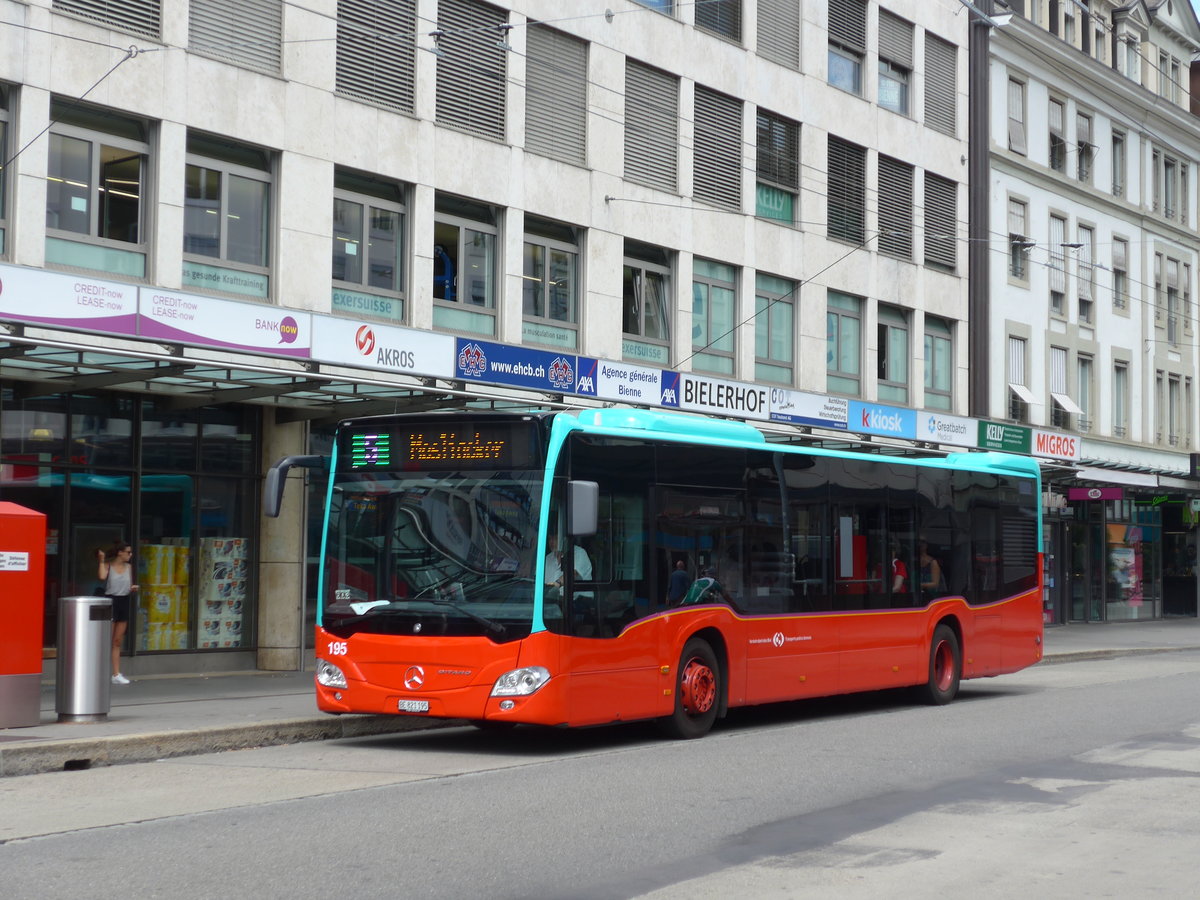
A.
x: 492, y: 626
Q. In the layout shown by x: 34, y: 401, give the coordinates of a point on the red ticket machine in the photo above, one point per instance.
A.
x: 22, y: 584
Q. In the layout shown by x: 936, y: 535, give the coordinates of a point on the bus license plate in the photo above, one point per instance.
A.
x: 414, y: 706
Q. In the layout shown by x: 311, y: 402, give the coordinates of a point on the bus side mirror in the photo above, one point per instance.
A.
x: 277, y: 477
x: 583, y: 507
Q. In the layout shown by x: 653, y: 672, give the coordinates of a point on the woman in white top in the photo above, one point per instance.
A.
x: 116, y: 571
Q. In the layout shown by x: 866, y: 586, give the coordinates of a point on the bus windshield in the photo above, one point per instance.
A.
x: 432, y: 553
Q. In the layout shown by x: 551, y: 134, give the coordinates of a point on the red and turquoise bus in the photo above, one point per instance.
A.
x: 596, y: 566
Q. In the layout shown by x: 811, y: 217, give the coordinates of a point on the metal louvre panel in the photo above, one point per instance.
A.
x: 723, y: 17
x: 847, y: 190
x: 556, y: 95
x: 472, y: 72
x: 1016, y: 360
x: 138, y: 16
x: 376, y: 51
x: 941, y: 233
x: 941, y: 87
x: 779, y: 31
x: 848, y: 24
x: 895, y: 207
x: 1058, y: 370
x: 1057, y: 270
x: 895, y: 39
x: 247, y: 32
x: 718, y: 149
x: 651, y: 126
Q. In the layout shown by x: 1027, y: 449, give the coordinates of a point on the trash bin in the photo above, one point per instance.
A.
x: 82, y: 690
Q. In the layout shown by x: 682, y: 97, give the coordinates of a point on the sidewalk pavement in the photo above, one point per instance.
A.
x: 159, y: 716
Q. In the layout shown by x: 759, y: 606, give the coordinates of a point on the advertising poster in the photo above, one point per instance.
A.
x: 542, y: 370
x: 68, y: 301
x: 211, y: 322
x: 387, y: 348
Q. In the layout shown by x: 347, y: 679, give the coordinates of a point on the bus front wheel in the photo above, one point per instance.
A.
x: 945, y: 666
x: 697, y: 692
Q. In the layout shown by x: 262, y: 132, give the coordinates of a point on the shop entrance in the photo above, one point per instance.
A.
x: 1082, y: 567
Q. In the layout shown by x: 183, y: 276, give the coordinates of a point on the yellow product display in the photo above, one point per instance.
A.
x: 156, y: 564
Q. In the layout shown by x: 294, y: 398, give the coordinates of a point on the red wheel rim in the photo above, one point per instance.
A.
x: 943, y: 666
x: 698, y: 687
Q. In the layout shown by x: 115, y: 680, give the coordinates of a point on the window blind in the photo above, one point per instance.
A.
x: 376, y: 51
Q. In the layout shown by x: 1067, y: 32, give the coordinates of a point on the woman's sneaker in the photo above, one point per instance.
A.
x: 120, y: 679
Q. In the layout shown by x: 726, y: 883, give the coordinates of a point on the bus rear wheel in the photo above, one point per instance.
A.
x: 945, y: 667
x: 698, y: 690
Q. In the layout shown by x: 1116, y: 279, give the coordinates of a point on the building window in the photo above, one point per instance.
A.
x: 941, y: 231
x: 1173, y: 302
x: 1086, y: 148
x: 723, y: 17
x: 664, y: 6
x: 895, y: 208
x: 1158, y: 287
x: 96, y: 177
x: 244, y: 32
x: 1016, y: 117
x: 1084, y: 374
x: 774, y: 329
x: 1058, y: 139
x: 1019, y: 244
x: 1159, y: 404
x: 1118, y: 163
x: 376, y: 51
x: 1020, y: 398
x: 651, y: 126
x: 1173, y: 409
x: 1120, y: 271
x: 1186, y: 303
x: 939, y: 363
x: 464, y: 265
x: 778, y: 167
x: 1120, y: 398
x: 368, y: 247
x: 895, y: 62
x: 550, y: 284
x: 556, y: 94
x: 1155, y: 180
x: 1057, y: 267
x: 717, y: 175
x: 1085, y: 278
x: 1131, y: 59
x: 892, y: 355
x: 714, y: 307
x: 779, y: 31
x: 138, y: 16
x: 843, y: 343
x: 1170, y: 187
x: 472, y: 70
x: 1176, y: 80
x: 1062, y: 406
x: 226, y: 217
x: 646, y: 298
x: 941, y: 85
x: 847, y: 190
x: 847, y: 43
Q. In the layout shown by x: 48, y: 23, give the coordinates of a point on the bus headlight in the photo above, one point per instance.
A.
x: 521, y: 682
x: 330, y: 675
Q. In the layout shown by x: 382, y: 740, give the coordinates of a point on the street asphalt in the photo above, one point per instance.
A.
x: 161, y: 716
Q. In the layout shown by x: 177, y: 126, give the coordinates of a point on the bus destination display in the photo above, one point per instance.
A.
x: 416, y: 447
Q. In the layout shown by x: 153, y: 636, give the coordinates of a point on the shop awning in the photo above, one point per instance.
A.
x: 1023, y: 393
x: 1065, y: 401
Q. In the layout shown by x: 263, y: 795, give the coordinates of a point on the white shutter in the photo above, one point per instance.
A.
x: 847, y: 190
x: 138, y: 16
x: 895, y: 40
x: 848, y: 24
x: 1057, y: 271
x: 717, y: 175
x: 651, y: 126
x: 779, y: 31
x: 895, y: 207
x: 376, y: 51
x: 941, y: 85
x: 1016, y: 217
x: 1016, y: 360
x: 941, y: 231
x: 473, y: 68
x: 1120, y: 254
x: 1058, y: 370
x: 1016, y: 117
x: 1056, y: 118
x: 556, y: 94
x: 1086, y: 240
x: 246, y: 32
